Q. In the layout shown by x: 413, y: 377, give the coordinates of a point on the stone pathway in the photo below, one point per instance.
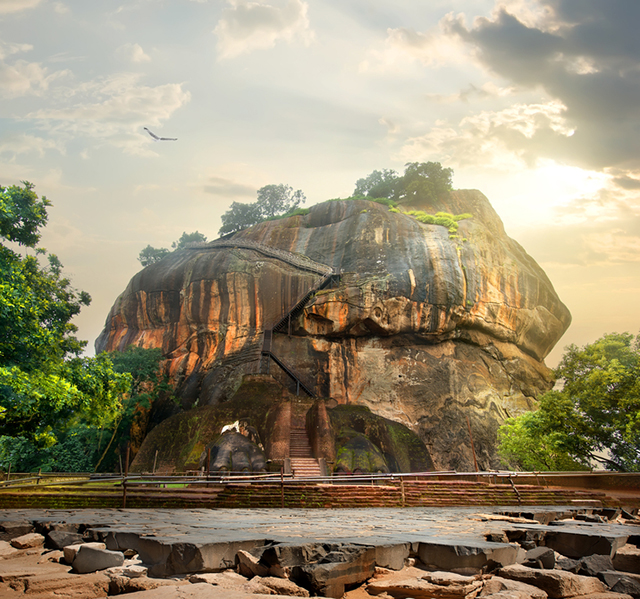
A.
x: 284, y: 525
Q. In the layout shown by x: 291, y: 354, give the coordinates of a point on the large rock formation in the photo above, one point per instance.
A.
x: 444, y: 334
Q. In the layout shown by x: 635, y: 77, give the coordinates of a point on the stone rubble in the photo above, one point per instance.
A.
x: 478, y: 564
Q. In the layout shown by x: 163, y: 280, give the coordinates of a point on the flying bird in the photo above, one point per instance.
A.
x: 156, y: 138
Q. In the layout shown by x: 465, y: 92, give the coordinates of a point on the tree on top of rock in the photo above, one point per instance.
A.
x: 187, y: 238
x: 273, y: 201
x: 421, y: 181
x: 151, y: 255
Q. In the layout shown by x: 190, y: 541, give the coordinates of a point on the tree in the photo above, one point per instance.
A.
x: 594, y: 418
x: 379, y: 184
x: 46, y: 389
x: 187, y: 238
x: 147, y: 383
x: 273, y: 201
x: 151, y: 255
x: 424, y: 181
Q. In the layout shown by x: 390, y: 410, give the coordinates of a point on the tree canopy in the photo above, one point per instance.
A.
x: 273, y: 201
x: 47, y: 391
x: 593, y: 419
x: 151, y: 255
x: 420, y: 181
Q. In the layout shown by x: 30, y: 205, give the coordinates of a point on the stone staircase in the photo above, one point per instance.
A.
x: 303, y: 464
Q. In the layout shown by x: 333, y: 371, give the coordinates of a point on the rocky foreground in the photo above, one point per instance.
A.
x: 400, y: 554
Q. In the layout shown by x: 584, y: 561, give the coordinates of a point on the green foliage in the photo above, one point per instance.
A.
x: 524, y: 445
x: 296, y: 212
x: 187, y: 238
x: 595, y: 418
x: 147, y: 383
x: 421, y: 181
x: 444, y: 219
x: 424, y: 181
x: 22, y: 214
x: 151, y: 255
x: 273, y: 201
x: 379, y: 184
x: 46, y: 390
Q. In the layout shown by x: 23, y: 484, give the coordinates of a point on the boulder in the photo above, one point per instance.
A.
x: 592, y: 565
x: 6, y: 549
x: 281, y: 586
x: 620, y: 583
x: 70, y: 551
x: 10, y: 529
x: 556, y: 583
x: 452, y: 555
x: 119, y: 584
x: 627, y: 559
x: 250, y: 566
x: 578, y: 543
x: 496, y: 585
x: 418, y: 316
x: 568, y: 564
x: 328, y: 577
x: 442, y: 585
x: 28, y: 541
x: 166, y: 558
x: 540, y: 557
x: 59, y: 539
x: 92, y: 559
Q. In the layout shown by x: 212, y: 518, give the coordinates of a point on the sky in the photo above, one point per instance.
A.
x: 536, y: 103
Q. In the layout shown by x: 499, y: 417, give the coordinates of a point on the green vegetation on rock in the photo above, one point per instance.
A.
x: 421, y: 181
x: 273, y: 201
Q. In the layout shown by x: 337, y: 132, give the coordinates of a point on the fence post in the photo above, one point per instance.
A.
x: 124, y: 480
x: 402, y: 489
x: 282, y: 486
x: 155, y: 462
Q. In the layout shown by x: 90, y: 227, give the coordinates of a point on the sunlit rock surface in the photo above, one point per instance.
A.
x: 444, y: 335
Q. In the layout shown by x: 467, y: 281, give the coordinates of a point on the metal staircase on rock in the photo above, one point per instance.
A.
x: 303, y: 464
x: 328, y: 277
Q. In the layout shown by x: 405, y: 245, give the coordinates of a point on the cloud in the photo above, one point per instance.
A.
x: 583, y: 55
x: 221, y: 186
x: 133, y: 53
x: 405, y: 46
x: 25, y: 144
x: 501, y: 139
x: 61, y: 8
x: 22, y: 78
x: 601, y: 228
x: 247, y: 26
x: 485, y: 91
x: 112, y: 109
x: 11, y: 6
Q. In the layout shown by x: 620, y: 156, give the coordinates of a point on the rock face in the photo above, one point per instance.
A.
x: 423, y: 329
